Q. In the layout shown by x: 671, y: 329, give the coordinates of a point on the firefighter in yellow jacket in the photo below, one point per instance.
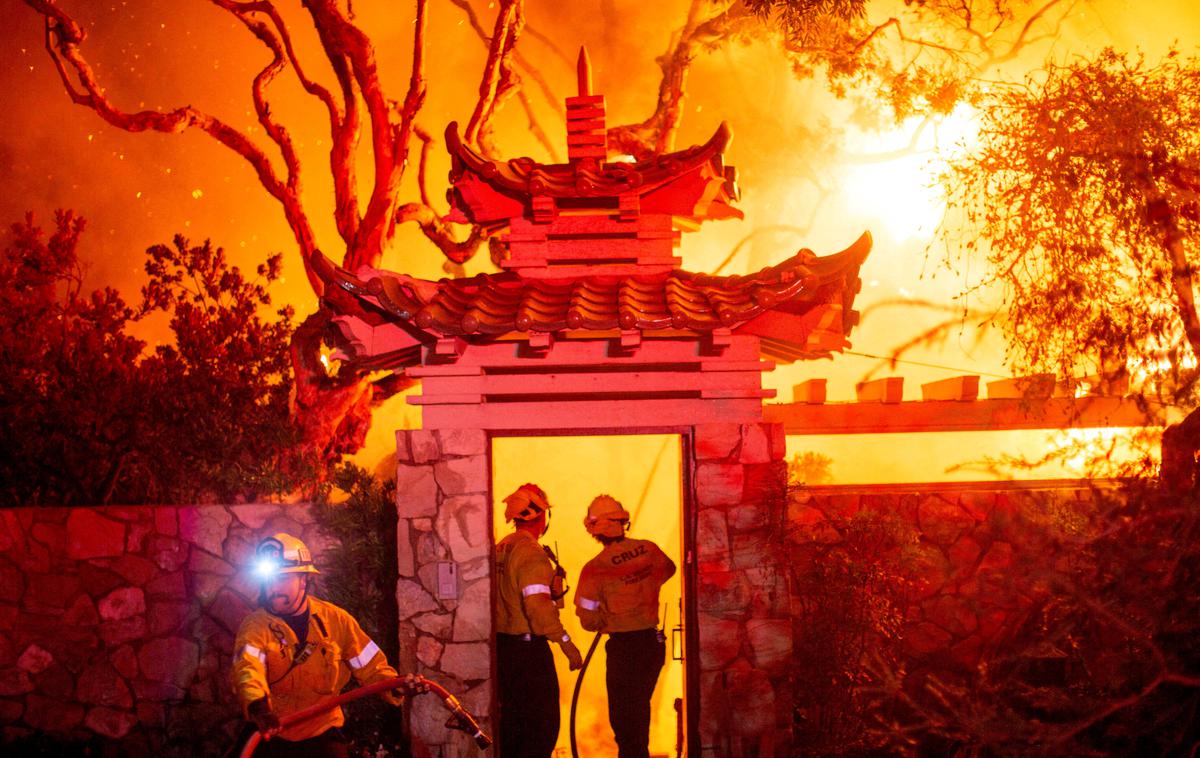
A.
x: 526, y: 623
x: 618, y: 595
x: 296, y: 650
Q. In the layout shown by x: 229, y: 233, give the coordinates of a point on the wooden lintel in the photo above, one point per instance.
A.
x: 995, y: 414
x: 960, y: 388
x: 810, y: 392
x: 1035, y: 386
x: 449, y: 347
x: 597, y: 414
x: 890, y: 389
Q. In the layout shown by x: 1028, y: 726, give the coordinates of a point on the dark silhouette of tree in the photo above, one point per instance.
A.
x: 89, y: 416
x: 918, y: 73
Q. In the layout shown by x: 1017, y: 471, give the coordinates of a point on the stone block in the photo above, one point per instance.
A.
x: 430, y: 548
x: 467, y: 661
x: 755, y: 549
x: 477, y: 568
x: 755, y: 446
x: 165, y: 617
x: 462, y: 476
x: 14, y: 681
x: 429, y: 650
x: 135, y: 569
x: 465, y: 524
x: 124, y: 660
x: 255, y: 515
x: 10, y: 711
x: 123, y: 603
x: 951, y: 614
x: 770, y: 643
x: 35, y: 659
x: 416, y: 492
x: 51, y: 591
x: 52, y: 715
x: 412, y: 599
x: 724, y: 594
x: 999, y: 557
x: 206, y: 587
x: 169, y: 554
x: 748, y: 516
x: 166, y: 521
x: 719, y: 642
x: 424, y: 446
x: 55, y: 682
x: 924, y: 638
x: 167, y: 586
x: 403, y: 449
x: 719, y: 484
x: 712, y: 540
x: 12, y: 583
x: 752, y: 703
x: 435, y: 624
x: 405, y: 560
x: 963, y: 554
x: 125, y: 630
x: 714, y: 442
x: 205, y: 526
x: 82, y: 613
x: 473, y: 617
x: 203, y: 563
x: 90, y: 535
x: 52, y: 536
x: 928, y: 568
x: 172, y: 660
x: 462, y: 442
x: 942, y: 521
x: 100, y: 684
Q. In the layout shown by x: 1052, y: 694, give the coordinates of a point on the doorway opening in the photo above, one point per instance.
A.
x: 645, y: 473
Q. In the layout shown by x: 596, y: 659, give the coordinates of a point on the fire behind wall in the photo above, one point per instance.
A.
x: 641, y: 471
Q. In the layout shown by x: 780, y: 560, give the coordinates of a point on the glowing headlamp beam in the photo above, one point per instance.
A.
x: 266, y: 568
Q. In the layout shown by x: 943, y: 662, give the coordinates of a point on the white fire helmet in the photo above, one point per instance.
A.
x: 281, y: 553
x: 606, y: 517
x: 526, y: 503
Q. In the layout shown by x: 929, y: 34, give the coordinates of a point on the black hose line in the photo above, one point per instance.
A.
x: 578, y: 686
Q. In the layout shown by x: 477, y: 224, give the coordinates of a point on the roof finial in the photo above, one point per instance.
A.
x: 586, y: 131
x: 584, y: 71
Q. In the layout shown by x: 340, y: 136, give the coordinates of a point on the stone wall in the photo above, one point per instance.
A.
x: 942, y: 581
x: 445, y: 586
x: 742, y: 597
x: 117, y: 624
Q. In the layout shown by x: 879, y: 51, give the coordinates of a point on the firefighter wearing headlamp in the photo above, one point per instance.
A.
x: 526, y: 623
x: 618, y: 595
x: 295, y: 650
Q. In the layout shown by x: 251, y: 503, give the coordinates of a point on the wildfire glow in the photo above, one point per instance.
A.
x: 901, y: 191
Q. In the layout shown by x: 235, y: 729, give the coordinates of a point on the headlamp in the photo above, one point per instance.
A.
x: 265, y: 568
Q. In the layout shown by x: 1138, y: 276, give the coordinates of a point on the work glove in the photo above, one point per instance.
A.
x: 264, y: 719
x: 412, y: 685
x: 574, y: 659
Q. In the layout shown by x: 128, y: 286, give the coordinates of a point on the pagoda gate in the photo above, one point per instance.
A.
x: 592, y: 327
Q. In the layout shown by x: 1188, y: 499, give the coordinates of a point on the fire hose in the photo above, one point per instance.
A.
x: 460, y: 719
x: 578, y: 686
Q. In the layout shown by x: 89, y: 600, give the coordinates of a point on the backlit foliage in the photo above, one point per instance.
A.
x: 1082, y: 193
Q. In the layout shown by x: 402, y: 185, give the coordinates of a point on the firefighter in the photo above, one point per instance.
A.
x: 618, y: 596
x: 526, y: 623
x: 295, y: 650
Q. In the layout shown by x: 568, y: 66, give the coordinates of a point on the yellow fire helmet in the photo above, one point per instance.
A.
x: 606, y: 517
x: 281, y: 553
x: 526, y: 503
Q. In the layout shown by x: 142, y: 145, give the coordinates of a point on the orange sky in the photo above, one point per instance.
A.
x: 140, y: 189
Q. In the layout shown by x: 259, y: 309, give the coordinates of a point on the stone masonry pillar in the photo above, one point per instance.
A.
x: 445, y: 590
x: 742, y: 597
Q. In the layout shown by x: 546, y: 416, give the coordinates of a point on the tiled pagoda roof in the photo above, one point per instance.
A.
x: 494, y: 306
x: 692, y: 183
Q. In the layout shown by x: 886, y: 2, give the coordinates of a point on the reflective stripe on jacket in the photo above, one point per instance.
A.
x: 523, y: 578
x: 265, y: 664
x: 618, y: 589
